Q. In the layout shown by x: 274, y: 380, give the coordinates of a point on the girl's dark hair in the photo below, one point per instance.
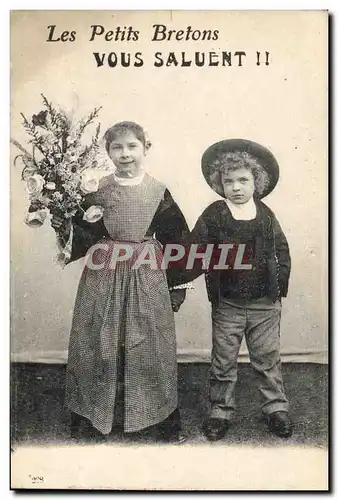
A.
x: 122, y: 128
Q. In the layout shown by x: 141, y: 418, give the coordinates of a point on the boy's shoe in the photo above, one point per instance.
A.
x: 216, y: 428
x: 279, y: 423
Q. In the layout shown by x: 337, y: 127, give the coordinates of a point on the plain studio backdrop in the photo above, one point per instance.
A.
x: 282, y: 105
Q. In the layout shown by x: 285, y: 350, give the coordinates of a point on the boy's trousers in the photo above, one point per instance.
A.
x: 259, y: 321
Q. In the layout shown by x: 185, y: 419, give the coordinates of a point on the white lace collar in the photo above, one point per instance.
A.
x: 244, y: 211
x: 130, y: 181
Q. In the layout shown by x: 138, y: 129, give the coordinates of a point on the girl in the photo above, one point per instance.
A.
x: 122, y: 348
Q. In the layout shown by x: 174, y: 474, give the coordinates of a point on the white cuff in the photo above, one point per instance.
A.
x: 184, y: 286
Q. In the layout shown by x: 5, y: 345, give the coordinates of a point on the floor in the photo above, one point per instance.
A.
x: 38, y: 415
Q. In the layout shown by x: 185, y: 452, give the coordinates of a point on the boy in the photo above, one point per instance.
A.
x: 245, y: 296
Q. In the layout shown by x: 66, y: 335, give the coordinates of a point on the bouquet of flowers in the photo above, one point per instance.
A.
x: 60, y: 169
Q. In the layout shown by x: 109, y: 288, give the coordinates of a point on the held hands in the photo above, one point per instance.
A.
x: 177, y: 298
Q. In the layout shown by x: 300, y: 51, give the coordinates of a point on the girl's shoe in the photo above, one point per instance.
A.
x: 174, y: 437
x: 170, y: 430
x: 82, y: 429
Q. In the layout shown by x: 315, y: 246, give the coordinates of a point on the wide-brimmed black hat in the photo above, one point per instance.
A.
x: 264, y: 157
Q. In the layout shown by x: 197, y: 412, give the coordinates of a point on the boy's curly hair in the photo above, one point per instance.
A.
x: 228, y: 162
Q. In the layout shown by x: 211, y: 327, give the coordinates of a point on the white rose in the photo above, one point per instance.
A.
x: 28, y: 171
x: 36, y: 219
x: 50, y: 185
x: 89, y: 182
x: 35, y: 184
x: 93, y: 213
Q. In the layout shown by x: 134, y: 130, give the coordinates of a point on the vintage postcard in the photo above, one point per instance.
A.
x: 169, y: 207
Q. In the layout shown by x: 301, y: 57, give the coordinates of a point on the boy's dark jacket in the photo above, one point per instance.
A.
x: 212, y: 227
